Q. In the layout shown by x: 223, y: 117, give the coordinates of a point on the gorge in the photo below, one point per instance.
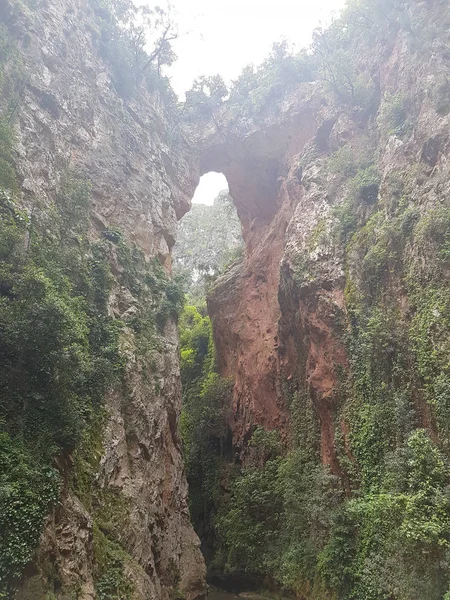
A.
x: 315, y: 420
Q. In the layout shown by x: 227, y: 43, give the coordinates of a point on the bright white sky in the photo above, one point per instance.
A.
x: 223, y: 36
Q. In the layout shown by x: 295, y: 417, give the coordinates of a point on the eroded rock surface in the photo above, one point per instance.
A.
x: 262, y: 328
x: 71, y: 116
x: 280, y: 315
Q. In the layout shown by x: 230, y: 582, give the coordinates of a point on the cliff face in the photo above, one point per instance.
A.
x: 71, y: 116
x: 268, y: 332
x: 279, y: 315
x: 244, y: 307
x: 334, y: 326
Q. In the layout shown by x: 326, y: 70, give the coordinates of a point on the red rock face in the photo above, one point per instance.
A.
x: 245, y: 313
x: 312, y: 353
x: 264, y: 336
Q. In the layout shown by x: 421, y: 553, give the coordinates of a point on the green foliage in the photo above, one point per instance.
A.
x: 156, y: 297
x: 280, y: 510
x: 341, y: 57
x: 393, y: 116
x: 433, y: 230
x: 352, y: 166
x: 376, y: 249
x: 260, y: 89
x: 365, y: 184
x: 12, y: 81
x: 390, y: 539
x: 441, y: 94
x: 338, y: 68
x: 37, y: 319
x: 374, y: 545
x: 343, y: 51
x: 59, y: 353
x: 197, y: 350
x: 351, y: 159
x: 363, y: 190
x: 58, y: 348
x: 265, y: 444
x: 72, y: 206
x: 205, y: 96
x: 346, y: 221
x: 112, y: 234
x: 204, y: 418
x: 86, y: 458
x: 136, y: 41
x: 8, y: 180
x: 112, y: 582
x: 255, y: 90
x: 209, y: 238
x: 27, y: 489
x: 251, y: 524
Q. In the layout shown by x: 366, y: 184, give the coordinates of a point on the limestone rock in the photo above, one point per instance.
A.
x: 72, y: 116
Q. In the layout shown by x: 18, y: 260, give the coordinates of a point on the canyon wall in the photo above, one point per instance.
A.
x: 280, y: 314
x: 71, y: 115
x: 334, y: 326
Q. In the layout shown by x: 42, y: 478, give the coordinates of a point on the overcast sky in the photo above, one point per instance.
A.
x: 223, y: 36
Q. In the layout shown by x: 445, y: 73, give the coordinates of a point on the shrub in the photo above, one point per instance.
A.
x: 59, y: 351
x: 365, y: 185
x: 252, y: 520
x: 28, y: 488
x: 110, y: 559
x: 377, y: 540
x: 204, y: 422
x: 393, y: 117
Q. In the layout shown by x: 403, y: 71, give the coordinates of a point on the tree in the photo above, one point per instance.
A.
x: 161, y: 31
x: 137, y: 41
x: 209, y: 237
x: 246, y: 82
x: 205, y: 96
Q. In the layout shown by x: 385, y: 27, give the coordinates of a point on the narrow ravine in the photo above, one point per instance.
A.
x: 266, y: 406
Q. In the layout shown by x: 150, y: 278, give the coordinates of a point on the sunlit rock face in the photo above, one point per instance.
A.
x: 71, y: 115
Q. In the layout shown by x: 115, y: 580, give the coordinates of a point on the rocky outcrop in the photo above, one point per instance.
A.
x: 280, y: 315
x: 260, y: 164
x: 265, y: 333
x: 71, y: 115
